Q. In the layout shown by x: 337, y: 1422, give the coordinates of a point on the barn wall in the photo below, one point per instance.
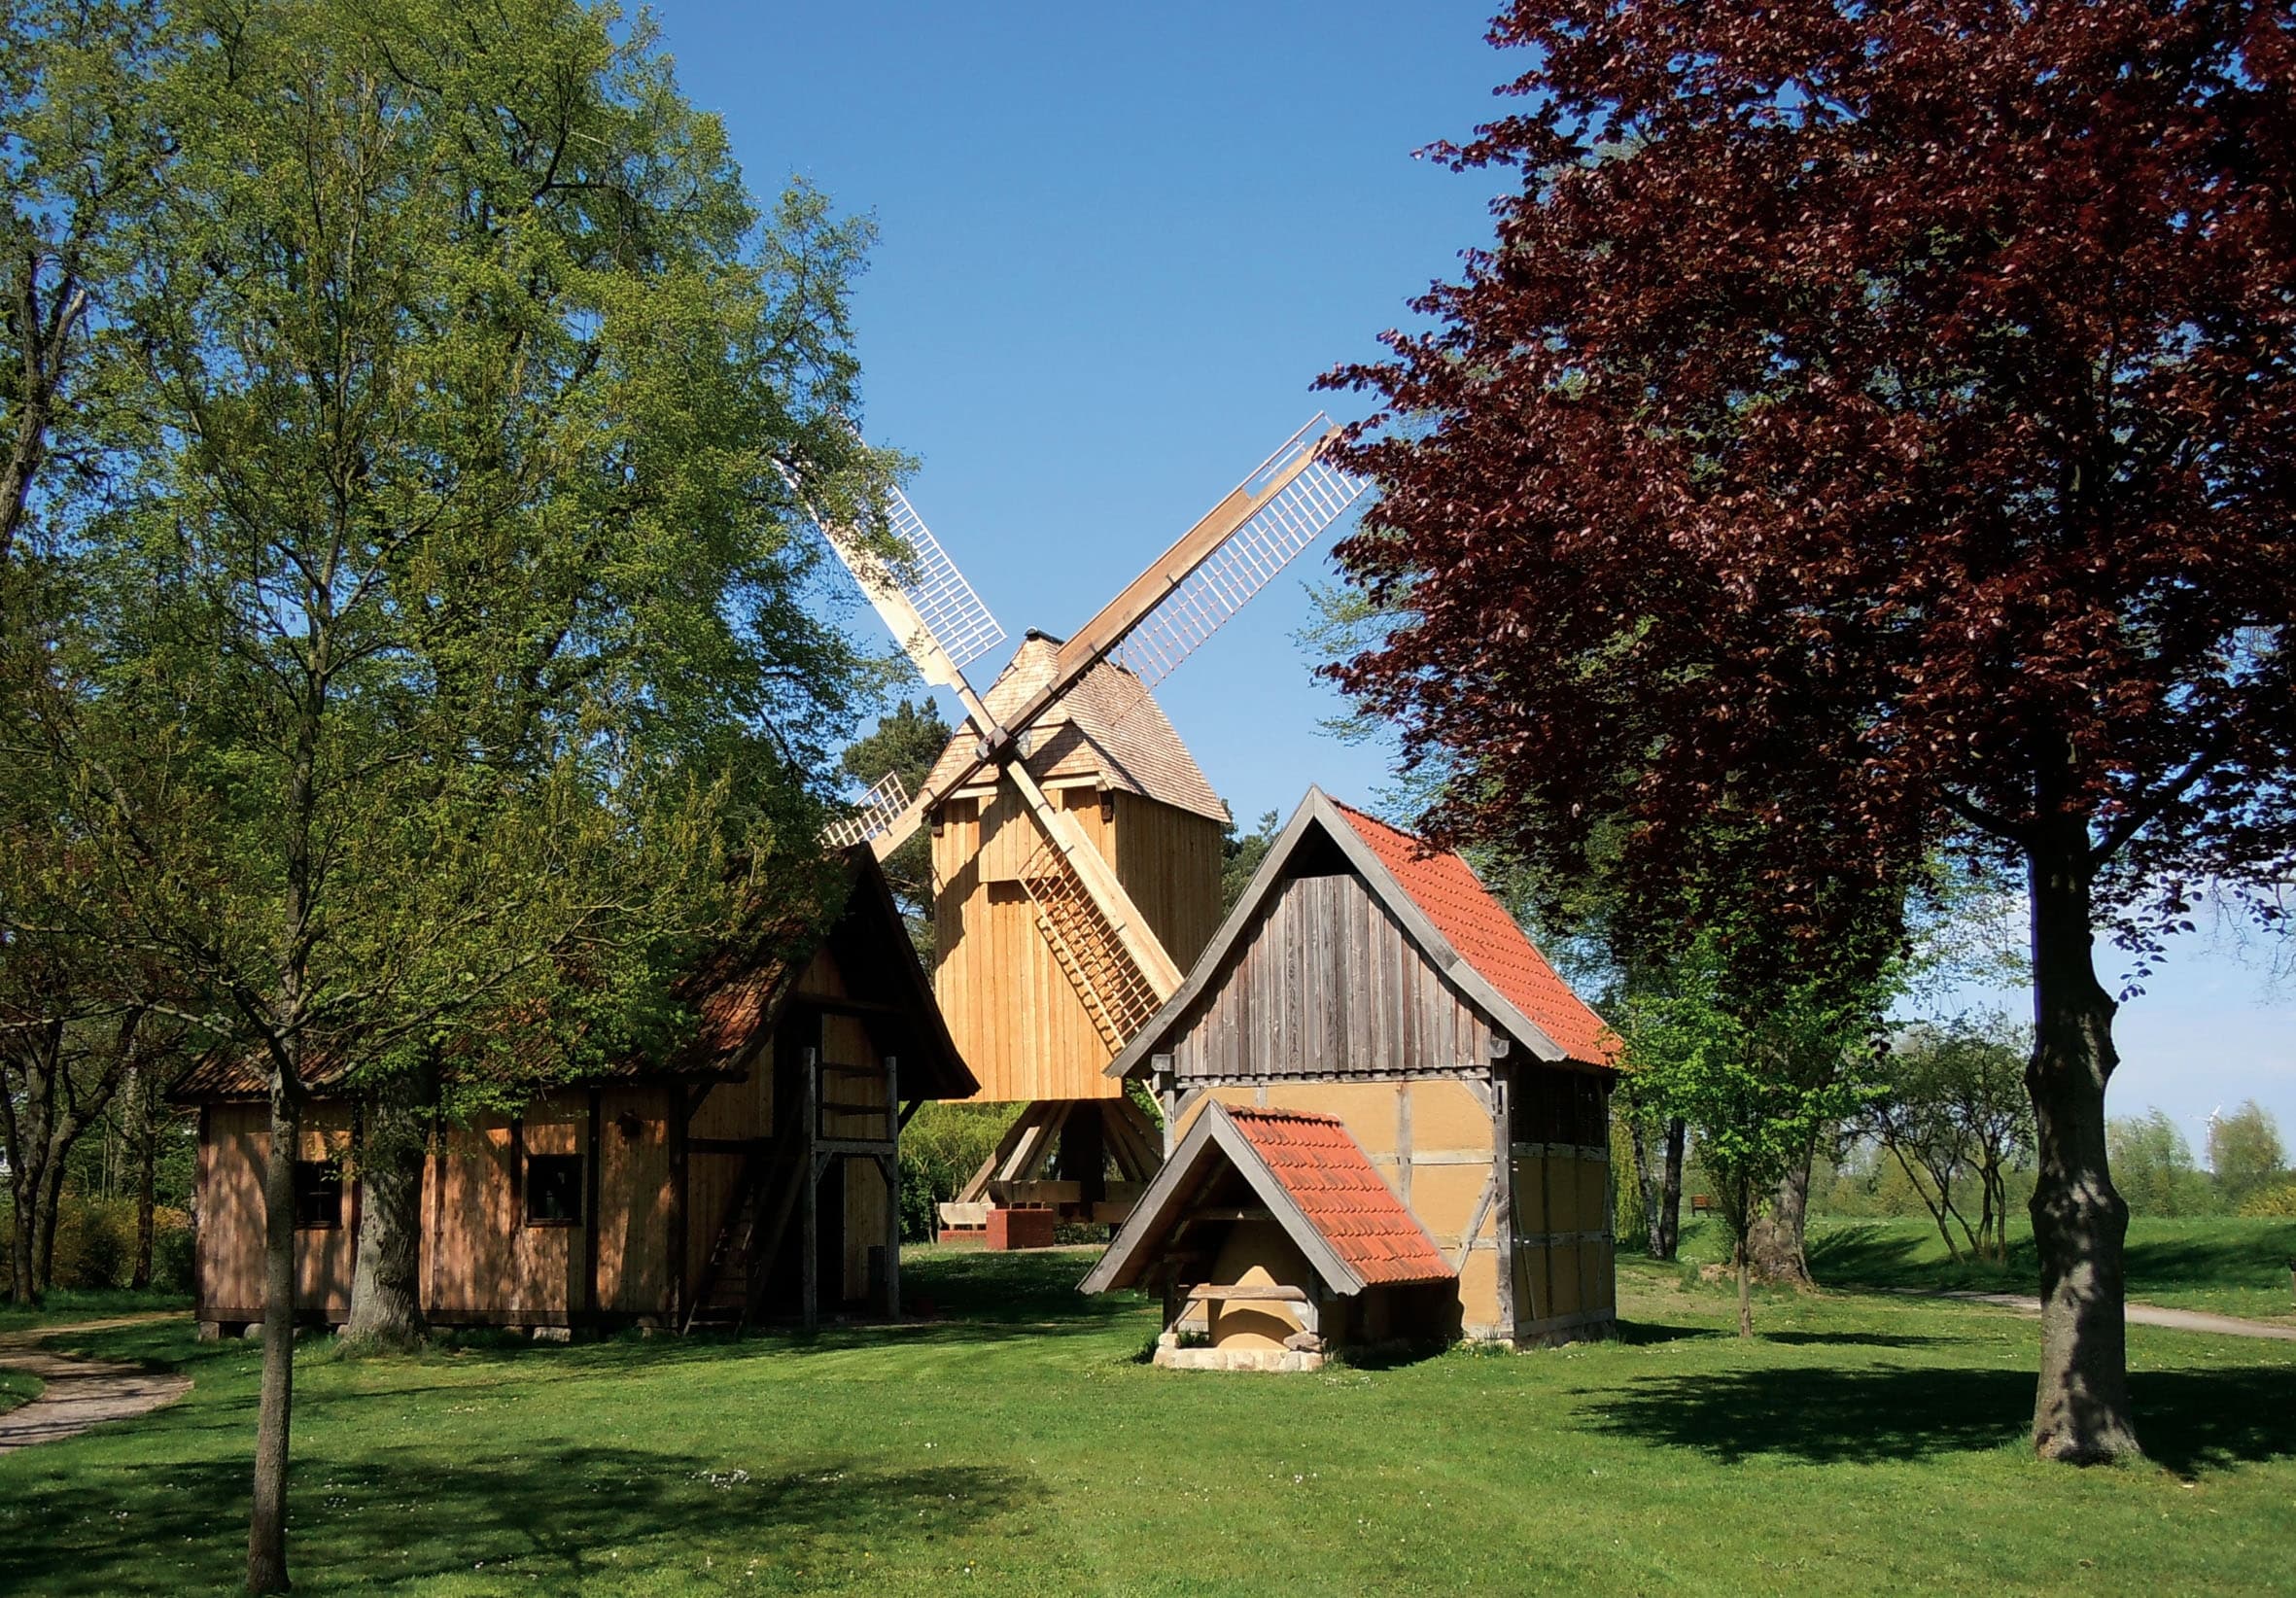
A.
x: 1434, y: 1144
x: 1013, y: 1016
x: 1327, y: 983
x: 230, y: 1239
x: 635, y: 1199
x: 1563, y: 1256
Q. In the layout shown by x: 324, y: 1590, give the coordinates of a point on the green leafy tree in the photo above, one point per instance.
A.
x: 1756, y: 1084
x: 1240, y: 854
x: 1954, y: 1109
x: 2153, y: 1166
x: 2246, y: 1155
x: 908, y: 741
x: 460, y: 610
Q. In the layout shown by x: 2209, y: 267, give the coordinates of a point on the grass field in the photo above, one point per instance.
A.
x: 17, y: 1388
x: 67, y: 1304
x: 2228, y: 1266
x: 1018, y: 1445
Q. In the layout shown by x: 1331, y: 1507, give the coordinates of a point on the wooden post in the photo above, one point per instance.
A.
x: 1503, y: 1151
x: 891, y: 1164
x: 592, y: 1187
x: 809, y: 1264
x: 678, y: 1118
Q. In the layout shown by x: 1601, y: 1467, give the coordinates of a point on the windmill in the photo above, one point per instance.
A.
x: 1076, y: 844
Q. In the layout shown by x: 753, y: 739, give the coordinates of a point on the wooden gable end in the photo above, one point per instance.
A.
x: 1325, y: 983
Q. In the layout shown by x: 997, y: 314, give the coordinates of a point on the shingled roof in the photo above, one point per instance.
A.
x: 1316, y: 1182
x: 1107, y: 729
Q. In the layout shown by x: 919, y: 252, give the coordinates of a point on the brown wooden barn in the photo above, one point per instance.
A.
x: 754, y: 1174
x: 1367, y: 978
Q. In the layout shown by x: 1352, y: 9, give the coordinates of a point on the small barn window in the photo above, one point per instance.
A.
x: 553, y: 1190
x: 318, y: 1196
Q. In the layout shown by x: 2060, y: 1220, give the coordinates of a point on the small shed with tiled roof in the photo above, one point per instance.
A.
x: 1367, y: 976
x: 1300, y: 1245
x: 750, y: 1172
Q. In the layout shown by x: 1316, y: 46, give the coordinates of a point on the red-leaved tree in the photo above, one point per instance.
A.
x: 1874, y: 428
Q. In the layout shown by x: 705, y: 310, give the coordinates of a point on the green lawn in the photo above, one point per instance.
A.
x: 2222, y: 1263
x: 71, y: 1303
x: 1861, y: 1444
x: 17, y: 1388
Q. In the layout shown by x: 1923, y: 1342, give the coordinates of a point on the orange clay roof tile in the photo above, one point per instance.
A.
x: 1477, y: 926
x: 1328, y: 1175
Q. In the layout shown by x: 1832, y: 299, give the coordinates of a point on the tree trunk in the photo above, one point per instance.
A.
x: 1745, y: 1290
x: 2080, y: 1222
x: 52, y: 1202
x: 1778, y: 1236
x: 266, y: 1525
x: 144, y: 1148
x: 23, y: 1228
x: 386, y: 1284
x: 1666, y: 1208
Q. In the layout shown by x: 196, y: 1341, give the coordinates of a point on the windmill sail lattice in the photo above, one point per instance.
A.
x: 877, y: 809
x: 944, y: 602
x: 1246, y: 562
x: 1116, y: 993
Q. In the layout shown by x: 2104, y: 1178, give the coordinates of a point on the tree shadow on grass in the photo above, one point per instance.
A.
x: 1649, y: 1334
x: 558, y: 1515
x: 2189, y: 1420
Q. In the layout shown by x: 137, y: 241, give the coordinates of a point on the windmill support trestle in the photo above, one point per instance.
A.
x: 1051, y: 1166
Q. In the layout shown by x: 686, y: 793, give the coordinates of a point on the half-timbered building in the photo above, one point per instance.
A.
x: 1374, y: 986
x: 752, y: 1175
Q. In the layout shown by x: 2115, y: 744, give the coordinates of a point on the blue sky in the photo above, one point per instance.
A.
x: 1115, y: 246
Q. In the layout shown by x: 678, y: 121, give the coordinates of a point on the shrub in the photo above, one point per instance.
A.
x: 941, y: 1148
x: 2272, y: 1203
x: 95, y: 1246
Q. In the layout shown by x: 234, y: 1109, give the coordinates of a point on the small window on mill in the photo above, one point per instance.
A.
x: 318, y: 1196
x: 554, y: 1190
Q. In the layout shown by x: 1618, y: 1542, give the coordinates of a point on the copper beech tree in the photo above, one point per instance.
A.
x: 1873, y: 430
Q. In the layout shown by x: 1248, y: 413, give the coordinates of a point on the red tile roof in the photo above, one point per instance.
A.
x: 1329, y: 1178
x: 1477, y: 926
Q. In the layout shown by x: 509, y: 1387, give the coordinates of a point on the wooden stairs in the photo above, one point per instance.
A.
x: 740, y: 1266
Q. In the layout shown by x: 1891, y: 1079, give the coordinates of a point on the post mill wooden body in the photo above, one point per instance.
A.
x: 1076, y: 845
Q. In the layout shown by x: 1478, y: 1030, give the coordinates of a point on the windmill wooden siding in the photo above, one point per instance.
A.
x: 1013, y: 1012
x: 672, y: 1164
x: 1335, y: 987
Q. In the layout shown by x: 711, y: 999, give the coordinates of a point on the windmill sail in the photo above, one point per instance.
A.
x: 941, y: 624
x: 1250, y: 558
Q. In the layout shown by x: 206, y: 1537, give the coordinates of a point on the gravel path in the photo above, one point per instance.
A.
x: 79, y: 1393
x: 2146, y: 1315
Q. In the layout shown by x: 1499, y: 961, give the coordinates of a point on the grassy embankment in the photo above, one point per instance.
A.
x: 2224, y: 1264
x: 1861, y: 1443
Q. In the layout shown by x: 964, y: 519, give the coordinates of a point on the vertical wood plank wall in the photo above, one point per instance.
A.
x: 481, y: 1260
x: 1327, y: 983
x: 1013, y: 1016
x: 230, y: 1238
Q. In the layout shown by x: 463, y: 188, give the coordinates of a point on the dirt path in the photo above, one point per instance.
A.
x: 79, y: 1393
x: 2143, y: 1315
